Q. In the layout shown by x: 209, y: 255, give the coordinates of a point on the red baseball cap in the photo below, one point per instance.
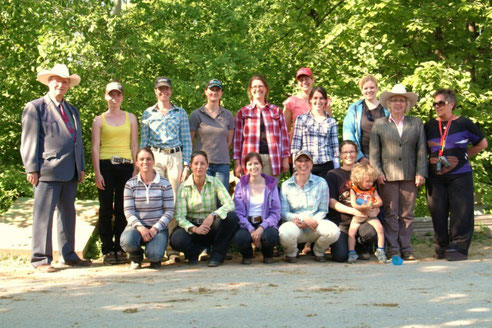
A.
x: 304, y: 71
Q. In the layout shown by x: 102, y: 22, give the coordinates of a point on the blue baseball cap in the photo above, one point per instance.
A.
x: 215, y: 83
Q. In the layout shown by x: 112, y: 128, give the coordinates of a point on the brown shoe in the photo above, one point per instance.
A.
x: 291, y: 259
x: 408, y: 256
x: 320, y: 258
x: 79, y: 263
x: 46, y: 268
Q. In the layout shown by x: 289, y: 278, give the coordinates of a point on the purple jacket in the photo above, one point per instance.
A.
x: 271, y: 204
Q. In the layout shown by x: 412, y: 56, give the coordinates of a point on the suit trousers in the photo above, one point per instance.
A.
x: 48, y: 196
x: 398, y: 206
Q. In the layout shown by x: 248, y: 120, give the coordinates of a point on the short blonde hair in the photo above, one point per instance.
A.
x: 362, y: 171
x: 368, y: 78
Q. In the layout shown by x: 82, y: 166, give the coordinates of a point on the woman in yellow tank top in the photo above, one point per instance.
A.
x: 114, y: 146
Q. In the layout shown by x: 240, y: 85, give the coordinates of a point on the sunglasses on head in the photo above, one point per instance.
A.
x: 440, y: 103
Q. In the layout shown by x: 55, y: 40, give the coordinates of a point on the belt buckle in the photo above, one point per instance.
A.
x: 116, y: 160
x: 166, y: 151
x: 256, y: 219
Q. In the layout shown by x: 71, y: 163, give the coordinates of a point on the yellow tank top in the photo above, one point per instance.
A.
x: 115, y: 140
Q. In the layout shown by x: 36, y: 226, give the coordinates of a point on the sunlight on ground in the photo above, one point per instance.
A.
x: 478, y: 310
x: 436, y: 268
x: 448, y: 297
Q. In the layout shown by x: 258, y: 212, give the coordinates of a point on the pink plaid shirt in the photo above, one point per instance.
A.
x: 247, y: 134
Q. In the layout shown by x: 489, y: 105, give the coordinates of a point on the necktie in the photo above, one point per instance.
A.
x: 67, y: 122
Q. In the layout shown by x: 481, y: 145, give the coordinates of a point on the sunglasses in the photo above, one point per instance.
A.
x: 440, y: 103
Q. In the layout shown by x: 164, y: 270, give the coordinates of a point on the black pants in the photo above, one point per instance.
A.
x: 321, y: 169
x: 365, y: 238
x: 115, y: 177
x: 219, y: 236
x: 451, y: 196
x: 269, y: 239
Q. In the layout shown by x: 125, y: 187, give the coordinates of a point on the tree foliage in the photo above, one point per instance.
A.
x: 425, y: 45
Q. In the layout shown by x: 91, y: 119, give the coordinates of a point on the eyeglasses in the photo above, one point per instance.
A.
x: 398, y: 101
x: 348, y: 152
x: 440, y: 103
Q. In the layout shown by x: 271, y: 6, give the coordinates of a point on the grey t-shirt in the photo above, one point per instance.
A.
x: 211, y: 134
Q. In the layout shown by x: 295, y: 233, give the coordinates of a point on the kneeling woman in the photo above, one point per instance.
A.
x: 201, y: 223
x: 304, y: 206
x: 149, y: 206
x: 258, y: 209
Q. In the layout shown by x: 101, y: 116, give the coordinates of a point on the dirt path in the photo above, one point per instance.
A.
x: 425, y: 293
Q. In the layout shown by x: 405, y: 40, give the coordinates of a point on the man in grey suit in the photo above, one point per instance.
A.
x: 53, y: 155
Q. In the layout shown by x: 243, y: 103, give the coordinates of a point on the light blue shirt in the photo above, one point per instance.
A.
x: 308, y: 202
x: 166, y: 131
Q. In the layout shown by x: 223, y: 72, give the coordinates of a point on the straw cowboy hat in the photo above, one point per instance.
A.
x: 60, y: 70
x: 398, y: 90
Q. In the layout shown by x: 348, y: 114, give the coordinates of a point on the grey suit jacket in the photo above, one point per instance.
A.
x: 399, y: 158
x: 47, y: 146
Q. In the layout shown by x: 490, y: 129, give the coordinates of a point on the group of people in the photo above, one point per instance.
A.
x: 173, y: 186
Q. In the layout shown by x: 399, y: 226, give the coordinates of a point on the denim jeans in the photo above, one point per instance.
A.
x: 365, y: 238
x: 269, y: 239
x: 221, y: 172
x: 131, y: 242
x: 111, y: 204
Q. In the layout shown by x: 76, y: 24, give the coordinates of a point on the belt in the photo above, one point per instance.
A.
x: 255, y: 219
x: 168, y: 150
x: 120, y: 160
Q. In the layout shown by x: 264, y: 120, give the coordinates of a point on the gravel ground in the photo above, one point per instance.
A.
x: 426, y: 293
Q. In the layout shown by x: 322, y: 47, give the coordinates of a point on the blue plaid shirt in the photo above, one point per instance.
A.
x: 308, y: 202
x: 171, y: 130
x: 320, y: 138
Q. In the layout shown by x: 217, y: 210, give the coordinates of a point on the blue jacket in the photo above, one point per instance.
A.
x: 271, y: 204
x: 351, y: 125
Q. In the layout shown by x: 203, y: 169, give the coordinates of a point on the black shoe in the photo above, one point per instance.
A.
x: 214, y: 263
x: 268, y: 260
x: 364, y: 256
x: 454, y: 255
x: 155, y: 265
x: 320, y: 258
x: 246, y: 260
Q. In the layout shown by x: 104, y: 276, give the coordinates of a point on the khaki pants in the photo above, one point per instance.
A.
x: 325, y: 234
x: 170, y: 166
x: 267, y: 166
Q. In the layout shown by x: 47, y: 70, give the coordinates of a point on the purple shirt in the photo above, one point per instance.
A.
x: 271, y: 204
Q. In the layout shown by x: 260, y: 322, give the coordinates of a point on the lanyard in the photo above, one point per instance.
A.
x: 443, y: 136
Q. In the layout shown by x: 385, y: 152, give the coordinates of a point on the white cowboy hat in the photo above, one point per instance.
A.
x: 60, y: 70
x: 398, y: 90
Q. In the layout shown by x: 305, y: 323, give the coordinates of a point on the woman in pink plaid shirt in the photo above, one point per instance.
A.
x: 261, y: 128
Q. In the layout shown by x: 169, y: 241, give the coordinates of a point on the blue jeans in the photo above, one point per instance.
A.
x: 221, y: 172
x: 131, y: 242
x: 269, y: 239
